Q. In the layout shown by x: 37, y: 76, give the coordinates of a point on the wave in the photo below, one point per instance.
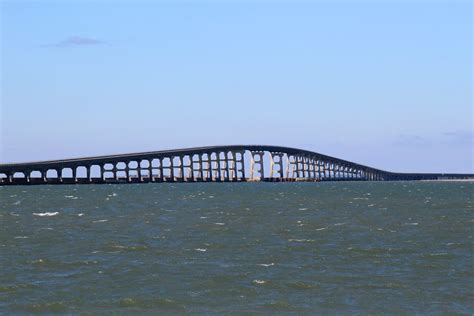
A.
x: 301, y: 240
x: 46, y: 214
x: 161, y: 303
x: 127, y: 248
x: 100, y: 221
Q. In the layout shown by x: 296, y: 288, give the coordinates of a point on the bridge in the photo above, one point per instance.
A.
x: 237, y: 163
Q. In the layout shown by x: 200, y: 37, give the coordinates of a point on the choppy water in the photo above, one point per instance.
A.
x: 268, y: 248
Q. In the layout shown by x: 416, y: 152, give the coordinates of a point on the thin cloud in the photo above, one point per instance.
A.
x: 78, y: 41
x: 459, y: 137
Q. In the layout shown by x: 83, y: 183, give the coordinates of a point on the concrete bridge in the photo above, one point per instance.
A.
x: 236, y: 163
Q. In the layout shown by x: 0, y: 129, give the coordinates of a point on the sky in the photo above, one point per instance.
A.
x: 383, y: 83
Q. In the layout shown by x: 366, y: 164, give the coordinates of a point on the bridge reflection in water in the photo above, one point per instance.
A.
x: 204, y: 164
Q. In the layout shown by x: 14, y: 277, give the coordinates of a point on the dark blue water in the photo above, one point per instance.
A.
x: 298, y: 248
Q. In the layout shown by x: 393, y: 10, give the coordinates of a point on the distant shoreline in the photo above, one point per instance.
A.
x: 449, y: 180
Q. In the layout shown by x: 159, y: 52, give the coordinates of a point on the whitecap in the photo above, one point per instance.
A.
x: 322, y: 228
x: 17, y: 203
x: 266, y: 264
x: 46, y: 214
x: 413, y: 224
x: 203, y: 217
x: 80, y: 214
x: 221, y: 224
x: 300, y: 240
x: 201, y: 249
x: 303, y: 209
x: 20, y: 237
x: 339, y: 224
x: 100, y: 221
x: 259, y: 281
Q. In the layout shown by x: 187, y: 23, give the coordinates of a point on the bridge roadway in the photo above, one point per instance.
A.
x: 236, y: 163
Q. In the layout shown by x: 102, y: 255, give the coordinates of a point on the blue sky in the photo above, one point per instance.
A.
x: 388, y: 84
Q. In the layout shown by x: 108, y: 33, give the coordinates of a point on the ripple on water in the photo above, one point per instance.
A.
x: 299, y: 285
x: 410, y: 224
x: 126, y: 248
x: 281, y: 306
x: 58, y: 264
x: 45, y: 307
x: 155, y: 303
x: 47, y: 214
x: 100, y: 221
x: 300, y: 240
x: 259, y: 281
x: 15, y: 287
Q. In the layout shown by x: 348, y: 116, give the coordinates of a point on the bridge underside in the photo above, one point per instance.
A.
x: 205, y: 164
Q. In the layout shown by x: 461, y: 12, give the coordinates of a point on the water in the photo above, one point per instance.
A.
x: 298, y: 248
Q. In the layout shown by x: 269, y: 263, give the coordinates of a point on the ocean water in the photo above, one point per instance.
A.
x: 244, y: 248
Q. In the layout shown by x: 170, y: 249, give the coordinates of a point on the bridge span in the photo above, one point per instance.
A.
x: 236, y: 163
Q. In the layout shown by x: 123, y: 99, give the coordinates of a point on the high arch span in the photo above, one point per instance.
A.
x: 236, y: 163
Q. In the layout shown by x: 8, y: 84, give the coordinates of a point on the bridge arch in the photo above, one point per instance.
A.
x: 235, y: 163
